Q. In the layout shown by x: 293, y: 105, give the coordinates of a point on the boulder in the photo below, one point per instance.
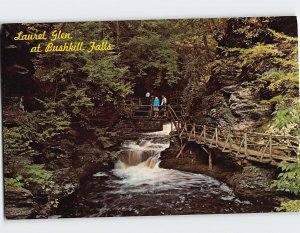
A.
x: 19, y: 203
x: 253, y: 181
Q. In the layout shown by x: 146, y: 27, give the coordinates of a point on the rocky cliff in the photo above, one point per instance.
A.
x: 254, y: 74
x: 242, y: 91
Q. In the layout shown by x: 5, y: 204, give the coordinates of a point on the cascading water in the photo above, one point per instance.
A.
x: 144, y: 153
x: 138, y: 186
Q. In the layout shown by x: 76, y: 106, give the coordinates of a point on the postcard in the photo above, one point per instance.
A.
x: 150, y: 117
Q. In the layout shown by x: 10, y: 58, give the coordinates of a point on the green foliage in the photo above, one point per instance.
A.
x: 103, y: 138
x: 92, y: 77
x: 36, y: 175
x: 16, y: 182
x: 286, y: 118
x: 193, y: 91
x: 289, y: 206
x: 72, y: 85
x: 274, y: 99
x: 259, y: 55
x: 151, y: 53
x: 110, y: 156
x: 283, y: 78
x: 17, y: 142
x: 107, y: 77
x: 272, y: 66
x: 289, y: 178
x: 280, y: 82
x: 283, y: 37
x: 289, y: 181
x: 49, y: 124
x: 226, y: 65
x: 17, y: 149
x: 196, y: 47
x: 155, y: 55
x: 269, y: 63
x: 74, y: 100
x: 242, y: 32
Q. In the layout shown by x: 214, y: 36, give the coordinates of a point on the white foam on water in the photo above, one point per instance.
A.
x: 139, y: 172
x: 99, y: 174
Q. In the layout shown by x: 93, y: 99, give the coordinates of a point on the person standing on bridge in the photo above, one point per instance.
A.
x: 164, y: 105
x: 156, y: 106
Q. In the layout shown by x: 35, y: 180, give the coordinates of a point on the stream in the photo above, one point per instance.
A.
x: 137, y: 186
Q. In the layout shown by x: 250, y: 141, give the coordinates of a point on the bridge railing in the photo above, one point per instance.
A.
x: 133, y: 110
x: 255, y: 146
x: 258, y: 146
x: 172, y: 98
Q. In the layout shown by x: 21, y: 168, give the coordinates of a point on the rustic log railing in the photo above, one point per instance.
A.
x: 251, y: 146
x: 144, y: 111
x: 245, y: 145
x: 172, y: 98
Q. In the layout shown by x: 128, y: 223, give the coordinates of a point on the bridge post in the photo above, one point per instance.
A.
x: 216, y: 132
x: 210, y: 166
x: 194, y: 130
x: 204, y: 133
x: 167, y: 111
x: 270, y: 139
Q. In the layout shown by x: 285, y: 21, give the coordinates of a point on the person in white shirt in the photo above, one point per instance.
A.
x: 164, y: 105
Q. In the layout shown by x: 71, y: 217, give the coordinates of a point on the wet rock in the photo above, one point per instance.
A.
x: 67, y: 181
x: 128, y: 129
x: 234, y: 106
x: 253, y: 182
x: 234, y: 94
x: 248, y: 181
x: 215, y: 110
x: 244, y: 105
x: 125, y: 129
x: 69, y: 167
x: 58, y: 155
x: 160, y: 140
x: 88, y: 159
x: 195, y: 159
x: 148, y: 125
x: 19, y: 203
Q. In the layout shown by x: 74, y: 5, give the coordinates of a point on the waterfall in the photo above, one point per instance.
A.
x: 138, y: 186
x: 145, y: 152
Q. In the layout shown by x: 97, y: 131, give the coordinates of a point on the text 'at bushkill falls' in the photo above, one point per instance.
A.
x: 150, y: 117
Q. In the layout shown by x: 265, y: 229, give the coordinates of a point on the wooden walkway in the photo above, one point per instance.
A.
x: 142, y: 108
x: 244, y: 145
x: 146, y: 111
x: 251, y: 146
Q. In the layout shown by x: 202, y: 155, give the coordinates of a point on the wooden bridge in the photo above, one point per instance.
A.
x: 144, y: 110
x: 244, y: 145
